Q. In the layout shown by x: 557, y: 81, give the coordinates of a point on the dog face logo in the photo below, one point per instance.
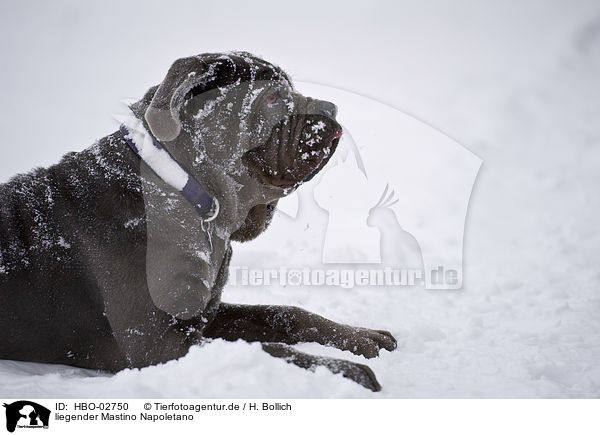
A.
x: 394, y: 196
x: 26, y: 414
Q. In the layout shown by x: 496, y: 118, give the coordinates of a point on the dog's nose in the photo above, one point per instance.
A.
x: 326, y: 108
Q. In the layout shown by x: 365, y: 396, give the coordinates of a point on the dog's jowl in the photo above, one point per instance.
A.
x: 117, y: 256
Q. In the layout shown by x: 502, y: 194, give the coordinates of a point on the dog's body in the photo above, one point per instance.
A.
x: 70, y: 235
x: 104, y: 265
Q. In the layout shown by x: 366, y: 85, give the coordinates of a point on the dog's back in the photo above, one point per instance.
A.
x: 73, y: 279
x: 51, y: 306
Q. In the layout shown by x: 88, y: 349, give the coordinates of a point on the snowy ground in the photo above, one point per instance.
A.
x: 516, y: 84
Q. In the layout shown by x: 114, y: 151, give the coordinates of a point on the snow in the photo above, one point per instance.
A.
x: 517, y: 84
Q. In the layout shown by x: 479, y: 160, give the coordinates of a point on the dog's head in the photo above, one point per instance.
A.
x: 241, y: 114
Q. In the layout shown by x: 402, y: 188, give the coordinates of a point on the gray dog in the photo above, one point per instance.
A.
x: 117, y: 256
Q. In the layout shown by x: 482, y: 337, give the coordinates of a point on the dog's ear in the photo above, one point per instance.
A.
x: 162, y: 115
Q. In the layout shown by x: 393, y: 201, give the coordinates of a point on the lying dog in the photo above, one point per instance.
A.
x: 116, y: 257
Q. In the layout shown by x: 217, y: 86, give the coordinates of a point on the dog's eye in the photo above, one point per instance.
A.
x: 270, y: 99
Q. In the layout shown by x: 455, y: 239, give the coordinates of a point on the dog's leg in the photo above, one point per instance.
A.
x: 291, y: 325
x: 359, y: 373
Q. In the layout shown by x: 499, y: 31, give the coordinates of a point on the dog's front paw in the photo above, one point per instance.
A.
x: 368, y: 342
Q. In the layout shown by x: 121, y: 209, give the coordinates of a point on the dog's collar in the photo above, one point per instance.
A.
x: 167, y: 168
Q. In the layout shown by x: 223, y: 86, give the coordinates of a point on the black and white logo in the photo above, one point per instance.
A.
x: 24, y: 414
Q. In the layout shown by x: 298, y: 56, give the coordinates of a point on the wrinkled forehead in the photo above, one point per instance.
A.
x: 239, y: 68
